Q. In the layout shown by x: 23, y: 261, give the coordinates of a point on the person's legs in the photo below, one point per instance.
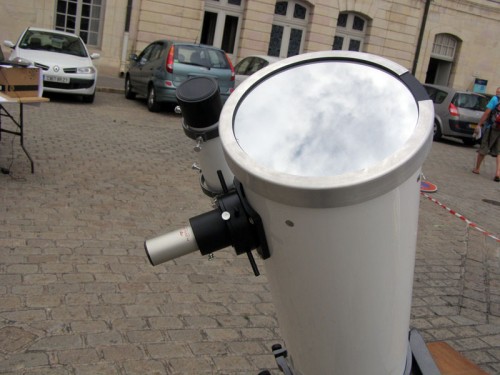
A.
x: 497, y: 174
x: 496, y: 151
x: 484, y: 149
x: 479, y: 160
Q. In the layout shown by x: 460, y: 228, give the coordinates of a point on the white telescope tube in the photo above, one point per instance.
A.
x: 342, y: 280
x: 331, y: 164
x: 211, y: 160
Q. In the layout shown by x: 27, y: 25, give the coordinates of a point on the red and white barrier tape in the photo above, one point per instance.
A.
x: 463, y: 218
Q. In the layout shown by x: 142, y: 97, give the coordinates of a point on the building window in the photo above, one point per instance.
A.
x: 299, y: 12
x: 221, y: 24
x: 342, y: 20
x: 354, y: 45
x: 350, y: 33
x: 281, y: 7
x: 81, y: 17
x: 288, y: 29
x: 444, y: 47
x: 275, y: 41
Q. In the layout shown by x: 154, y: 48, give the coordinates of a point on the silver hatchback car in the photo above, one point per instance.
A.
x: 456, y: 112
x: 163, y: 65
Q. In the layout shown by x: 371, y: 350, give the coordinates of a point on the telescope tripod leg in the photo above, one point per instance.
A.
x: 419, y: 360
x: 422, y: 359
x: 280, y: 355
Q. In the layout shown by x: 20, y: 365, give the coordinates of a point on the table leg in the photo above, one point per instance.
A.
x: 20, y: 124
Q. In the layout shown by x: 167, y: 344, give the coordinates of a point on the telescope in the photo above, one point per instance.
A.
x: 232, y: 222
x: 325, y: 152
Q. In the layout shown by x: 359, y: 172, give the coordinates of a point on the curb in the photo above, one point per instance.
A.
x: 110, y: 89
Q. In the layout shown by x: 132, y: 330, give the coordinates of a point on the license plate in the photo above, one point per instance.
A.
x: 57, y: 79
x: 472, y: 126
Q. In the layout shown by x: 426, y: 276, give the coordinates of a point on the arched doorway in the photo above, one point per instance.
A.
x: 442, y: 59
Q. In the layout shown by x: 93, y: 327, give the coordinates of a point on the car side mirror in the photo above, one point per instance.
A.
x: 8, y: 43
x: 133, y: 57
x: 95, y: 56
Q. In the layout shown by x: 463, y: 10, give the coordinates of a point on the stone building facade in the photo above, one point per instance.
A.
x: 450, y: 42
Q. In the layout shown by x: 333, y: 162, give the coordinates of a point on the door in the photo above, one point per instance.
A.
x: 221, y: 30
x: 140, y: 69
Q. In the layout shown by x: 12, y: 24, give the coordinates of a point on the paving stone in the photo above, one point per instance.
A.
x: 13, y: 339
x: 185, y: 335
x: 104, y: 338
x: 223, y: 334
x: 441, y: 334
x: 233, y: 363
x: 169, y: 350
x: 210, y: 348
x: 470, y: 344
x: 89, y: 326
x: 25, y: 360
x: 122, y: 353
x: 200, y: 322
x: 58, y: 342
x: 47, y: 301
x: 78, y: 356
x: 198, y: 365
x: 165, y: 322
x: 145, y: 336
x: 493, y: 340
x: 24, y: 316
x: 96, y: 368
x: 148, y: 367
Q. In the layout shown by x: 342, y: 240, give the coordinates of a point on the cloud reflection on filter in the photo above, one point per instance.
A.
x: 325, y: 118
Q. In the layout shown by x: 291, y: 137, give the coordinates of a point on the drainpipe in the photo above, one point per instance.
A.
x: 123, y: 61
x: 421, y: 36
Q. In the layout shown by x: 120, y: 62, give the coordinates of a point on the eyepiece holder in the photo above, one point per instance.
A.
x: 232, y: 223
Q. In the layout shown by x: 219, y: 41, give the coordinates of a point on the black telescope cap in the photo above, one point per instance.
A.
x: 199, y: 99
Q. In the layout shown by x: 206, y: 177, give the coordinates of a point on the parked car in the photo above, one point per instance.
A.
x: 456, y: 112
x: 163, y: 65
x: 251, y: 64
x: 63, y: 57
x: 488, y: 96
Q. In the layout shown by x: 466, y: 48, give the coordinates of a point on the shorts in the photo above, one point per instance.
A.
x: 490, y: 143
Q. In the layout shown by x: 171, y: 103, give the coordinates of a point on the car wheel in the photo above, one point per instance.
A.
x: 129, y: 94
x: 88, y: 98
x: 437, y: 132
x: 153, y: 105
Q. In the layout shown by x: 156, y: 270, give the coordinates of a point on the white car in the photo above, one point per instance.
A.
x: 251, y: 64
x: 63, y: 57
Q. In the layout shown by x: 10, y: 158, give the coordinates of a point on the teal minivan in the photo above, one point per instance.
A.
x: 163, y: 65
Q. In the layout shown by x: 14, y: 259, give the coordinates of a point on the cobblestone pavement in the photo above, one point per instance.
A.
x: 78, y: 296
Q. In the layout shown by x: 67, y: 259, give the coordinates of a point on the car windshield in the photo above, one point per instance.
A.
x: 202, y: 56
x: 470, y: 101
x: 53, y: 42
